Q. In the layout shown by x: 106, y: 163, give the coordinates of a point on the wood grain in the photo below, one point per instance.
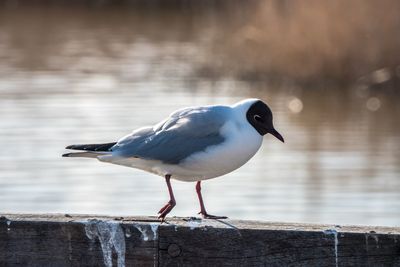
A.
x: 86, y: 240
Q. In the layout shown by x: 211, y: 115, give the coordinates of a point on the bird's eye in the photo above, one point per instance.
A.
x: 257, y: 118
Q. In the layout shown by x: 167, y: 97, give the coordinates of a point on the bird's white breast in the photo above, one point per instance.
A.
x: 240, y: 145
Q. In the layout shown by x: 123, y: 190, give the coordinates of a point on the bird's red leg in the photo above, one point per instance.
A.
x: 203, y: 211
x: 171, y: 203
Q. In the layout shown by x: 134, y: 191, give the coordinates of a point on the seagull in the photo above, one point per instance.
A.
x: 192, y: 144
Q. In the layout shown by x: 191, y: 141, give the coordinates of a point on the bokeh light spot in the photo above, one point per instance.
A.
x: 295, y: 105
x: 381, y: 76
x: 373, y: 104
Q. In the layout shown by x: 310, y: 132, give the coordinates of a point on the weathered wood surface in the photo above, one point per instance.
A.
x: 80, y: 240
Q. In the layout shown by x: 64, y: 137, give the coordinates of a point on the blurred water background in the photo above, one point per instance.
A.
x: 92, y: 71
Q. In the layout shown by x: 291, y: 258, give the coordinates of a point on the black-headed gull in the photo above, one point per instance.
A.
x: 192, y: 144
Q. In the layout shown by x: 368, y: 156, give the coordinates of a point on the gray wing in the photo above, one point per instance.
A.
x: 185, y: 132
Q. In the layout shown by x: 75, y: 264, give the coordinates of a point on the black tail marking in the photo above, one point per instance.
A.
x: 92, y: 147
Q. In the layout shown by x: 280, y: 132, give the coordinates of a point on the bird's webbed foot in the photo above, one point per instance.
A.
x: 166, y: 209
x: 205, y: 215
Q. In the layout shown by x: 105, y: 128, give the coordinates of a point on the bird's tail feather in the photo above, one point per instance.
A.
x: 90, y: 150
x: 93, y: 147
x: 88, y: 154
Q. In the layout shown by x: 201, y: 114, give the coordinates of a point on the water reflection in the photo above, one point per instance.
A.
x: 95, y: 76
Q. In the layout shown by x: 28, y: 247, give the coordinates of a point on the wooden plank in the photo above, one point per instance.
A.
x: 57, y: 240
x: 240, y: 243
x: 84, y: 240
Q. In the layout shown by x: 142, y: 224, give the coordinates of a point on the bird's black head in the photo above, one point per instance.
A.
x: 259, y: 116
